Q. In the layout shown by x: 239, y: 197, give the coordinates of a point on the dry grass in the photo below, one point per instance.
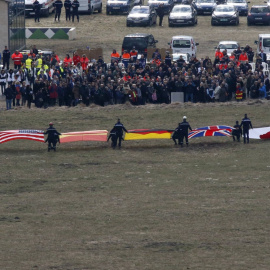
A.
x: 147, y: 206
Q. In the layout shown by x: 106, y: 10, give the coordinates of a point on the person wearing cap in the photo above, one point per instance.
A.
x: 246, y: 124
x: 119, y: 128
x: 183, y: 131
x: 53, y: 137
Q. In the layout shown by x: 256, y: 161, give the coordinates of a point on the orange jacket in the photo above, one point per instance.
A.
x: 126, y: 56
x: 76, y: 59
x: 84, y: 62
x: 17, y: 58
x: 57, y: 59
x: 219, y: 54
x: 115, y: 56
x: 239, y: 94
x: 232, y: 57
x: 67, y: 61
x: 156, y: 61
x: 243, y: 57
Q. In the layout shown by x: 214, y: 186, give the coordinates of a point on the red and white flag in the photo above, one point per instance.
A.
x: 24, y: 134
x: 259, y: 133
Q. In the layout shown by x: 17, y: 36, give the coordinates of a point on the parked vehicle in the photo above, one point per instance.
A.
x: 240, y: 5
x: 90, y: 6
x: 168, y: 4
x: 263, y: 43
x: 204, y: 6
x: 142, y: 15
x: 259, y: 15
x: 46, y: 7
x: 182, y: 14
x: 140, y: 41
x: 120, y: 6
x: 185, y: 56
x: 225, y: 14
x: 183, y: 44
x: 230, y: 46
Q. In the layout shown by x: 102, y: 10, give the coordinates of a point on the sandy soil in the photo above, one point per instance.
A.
x: 108, y: 31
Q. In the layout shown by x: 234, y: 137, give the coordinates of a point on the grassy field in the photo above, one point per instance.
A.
x: 147, y: 206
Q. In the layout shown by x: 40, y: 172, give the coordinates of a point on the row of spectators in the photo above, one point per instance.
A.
x: 48, y: 81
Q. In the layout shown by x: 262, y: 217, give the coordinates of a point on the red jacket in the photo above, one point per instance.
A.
x: 17, y: 58
x: 243, y: 57
x: 84, y: 62
x: 219, y: 54
x: 76, y: 59
x: 67, y: 61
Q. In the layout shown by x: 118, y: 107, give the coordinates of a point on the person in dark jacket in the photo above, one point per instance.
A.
x: 67, y: 5
x: 9, y: 96
x: 36, y: 8
x: 113, y: 137
x: 237, y: 131
x: 58, y: 7
x: 119, y: 128
x: 183, y: 131
x: 75, y: 6
x: 6, y: 57
x: 53, y: 137
x: 160, y: 13
x: 246, y: 124
x: 176, y: 135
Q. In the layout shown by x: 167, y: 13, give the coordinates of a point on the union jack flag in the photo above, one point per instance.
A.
x: 25, y: 134
x: 211, y: 131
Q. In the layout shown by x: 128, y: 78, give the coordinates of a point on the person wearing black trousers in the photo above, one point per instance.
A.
x: 160, y: 13
x: 53, y: 137
x: 75, y: 6
x: 246, y: 124
x: 119, y: 128
x: 183, y: 131
x: 58, y: 6
x: 36, y: 7
x: 67, y: 5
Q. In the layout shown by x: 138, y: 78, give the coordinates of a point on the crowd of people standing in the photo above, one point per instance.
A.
x: 48, y: 81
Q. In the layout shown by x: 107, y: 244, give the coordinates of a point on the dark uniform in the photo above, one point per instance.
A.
x: 67, y: 5
x: 246, y: 124
x: 168, y: 59
x: 53, y: 137
x: 237, y: 131
x: 160, y: 13
x: 176, y: 135
x: 58, y: 6
x: 36, y: 7
x: 119, y: 128
x: 113, y: 137
x: 75, y: 6
x: 6, y: 57
x: 183, y: 131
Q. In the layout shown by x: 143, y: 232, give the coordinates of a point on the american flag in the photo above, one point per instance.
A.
x: 211, y: 131
x: 24, y: 134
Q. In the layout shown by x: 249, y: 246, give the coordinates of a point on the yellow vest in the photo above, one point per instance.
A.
x: 39, y: 63
x: 28, y: 63
x: 45, y: 67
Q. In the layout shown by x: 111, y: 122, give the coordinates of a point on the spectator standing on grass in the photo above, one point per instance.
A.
x: 29, y: 95
x: 9, y: 96
x: 58, y: 7
x: 160, y: 13
x: 183, y: 131
x: 119, y: 128
x: 6, y: 57
x: 36, y: 8
x: 246, y: 124
x: 67, y: 5
x: 75, y: 6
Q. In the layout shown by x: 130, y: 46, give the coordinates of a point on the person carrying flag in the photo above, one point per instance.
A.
x: 176, y: 135
x: 237, y: 131
x: 53, y: 137
x: 183, y: 130
x: 246, y: 124
x: 113, y: 137
x: 119, y: 128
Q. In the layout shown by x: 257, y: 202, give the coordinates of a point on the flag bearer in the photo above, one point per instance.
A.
x: 183, y: 130
x: 119, y: 128
x: 53, y: 137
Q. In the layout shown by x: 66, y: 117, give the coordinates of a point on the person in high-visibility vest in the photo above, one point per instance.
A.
x: 134, y: 54
x: 17, y: 57
x: 115, y: 57
x: 218, y: 53
x: 38, y: 62
x: 239, y: 92
x: 125, y: 58
x: 28, y: 62
x: 84, y: 62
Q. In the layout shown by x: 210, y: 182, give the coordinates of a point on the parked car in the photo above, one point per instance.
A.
x: 263, y: 43
x: 168, y: 4
x: 240, y: 5
x: 120, y: 6
x: 140, y: 41
x: 225, y: 14
x: 204, y: 6
x: 183, y: 44
x: 259, y: 15
x: 90, y: 6
x: 142, y: 15
x: 182, y: 14
x: 185, y: 56
x: 46, y: 7
x: 230, y: 46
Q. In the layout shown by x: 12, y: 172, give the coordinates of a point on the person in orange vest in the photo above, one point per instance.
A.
x: 17, y: 57
x: 243, y: 57
x: 76, y: 59
x: 32, y: 54
x: 126, y: 77
x: 56, y: 57
x: 134, y: 54
x: 218, y: 53
x: 232, y: 56
x: 67, y: 60
x: 84, y: 62
x: 156, y: 61
x: 239, y: 92
x: 115, y: 57
x: 125, y: 58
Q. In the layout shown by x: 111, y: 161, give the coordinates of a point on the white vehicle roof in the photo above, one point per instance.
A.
x: 228, y: 42
x: 264, y: 35
x: 182, y: 37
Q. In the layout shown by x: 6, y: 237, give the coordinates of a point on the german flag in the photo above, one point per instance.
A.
x: 93, y: 135
x: 146, y: 134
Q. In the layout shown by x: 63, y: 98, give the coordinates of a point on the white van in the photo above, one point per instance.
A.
x: 263, y: 43
x: 184, y: 44
x: 89, y: 6
x: 46, y: 7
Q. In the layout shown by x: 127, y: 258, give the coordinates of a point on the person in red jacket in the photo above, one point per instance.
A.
x: 67, y: 60
x: 76, y: 59
x: 84, y: 62
x: 218, y: 53
x: 17, y: 57
x: 243, y: 57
